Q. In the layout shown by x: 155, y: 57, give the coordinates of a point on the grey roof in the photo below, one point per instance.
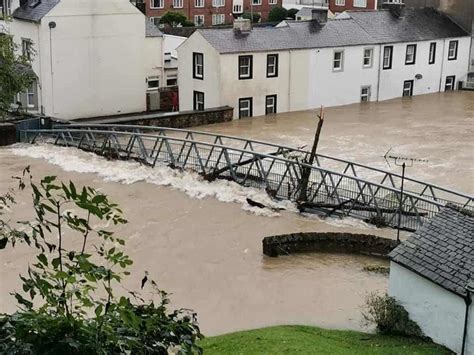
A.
x: 361, y: 28
x: 416, y: 25
x: 442, y: 250
x: 152, y: 30
x: 305, y: 12
x: 34, y: 10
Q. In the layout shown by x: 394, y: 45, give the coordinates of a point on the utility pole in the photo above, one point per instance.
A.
x: 401, y: 161
x: 306, y: 171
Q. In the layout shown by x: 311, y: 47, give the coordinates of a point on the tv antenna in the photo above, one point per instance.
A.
x: 404, y: 162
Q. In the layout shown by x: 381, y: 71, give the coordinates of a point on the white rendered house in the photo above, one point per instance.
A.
x: 92, y: 58
x: 432, y: 276
x: 362, y: 56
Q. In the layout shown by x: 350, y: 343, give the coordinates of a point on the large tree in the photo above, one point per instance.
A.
x: 173, y: 19
x: 277, y: 14
x: 16, y: 74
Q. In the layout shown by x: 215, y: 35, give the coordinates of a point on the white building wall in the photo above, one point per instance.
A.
x: 438, y: 312
x: 211, y: 83
x: 170, y: 43
x: 460, y: 66
x: 259, y: 86
x: 153, y: 58
x: 328, y: 87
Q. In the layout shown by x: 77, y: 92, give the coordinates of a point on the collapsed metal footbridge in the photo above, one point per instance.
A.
x: 335, y: 187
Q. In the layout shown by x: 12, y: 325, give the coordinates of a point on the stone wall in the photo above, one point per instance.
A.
x: 327, y: 242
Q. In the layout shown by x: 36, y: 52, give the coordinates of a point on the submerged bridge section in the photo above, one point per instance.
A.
x: 336, y: 186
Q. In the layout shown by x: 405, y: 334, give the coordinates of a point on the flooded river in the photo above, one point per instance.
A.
x: 202, y: 243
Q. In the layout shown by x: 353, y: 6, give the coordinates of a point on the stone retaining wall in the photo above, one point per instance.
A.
x: 328, y: 242
x: 7, y: 134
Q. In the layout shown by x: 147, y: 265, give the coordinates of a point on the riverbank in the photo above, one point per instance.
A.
x: 312, y: 340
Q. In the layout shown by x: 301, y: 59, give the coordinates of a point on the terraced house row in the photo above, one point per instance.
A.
x: 360, y: 56
x: 210, y: 12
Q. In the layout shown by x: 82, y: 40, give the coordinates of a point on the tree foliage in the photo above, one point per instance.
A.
x: 248, y: 16
x: 16, y: 74
x: 277, y: 14
x: 292, y: 13
x: 68, y: 303
x: 174, y: 19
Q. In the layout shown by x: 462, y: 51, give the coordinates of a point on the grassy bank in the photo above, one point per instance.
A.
x: 311, y: 340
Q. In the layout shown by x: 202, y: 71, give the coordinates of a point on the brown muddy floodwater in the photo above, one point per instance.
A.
x: 202, y: 243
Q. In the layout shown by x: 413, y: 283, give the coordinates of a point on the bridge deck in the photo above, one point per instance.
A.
x: 335, y: 185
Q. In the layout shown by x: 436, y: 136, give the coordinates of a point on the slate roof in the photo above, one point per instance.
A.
x: 35, y: 13
x: 305, y: 12
x: 151, y: 30
x: 442, y: 250
x: 360, y: 28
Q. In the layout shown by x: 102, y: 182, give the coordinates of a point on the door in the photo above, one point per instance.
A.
x: 408, y: 88
x: 450, y: 81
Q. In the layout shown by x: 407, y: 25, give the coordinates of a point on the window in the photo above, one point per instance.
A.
x: 198, y: 3
x: 368, y: 53
x: 387, y: 57
x: 432, y: 56
x: 5, y: 8
x: 199, y: 20
x: 256, y: 2
x: 450, y: 81
x: 237, y: 9
x: 157, y: 4
x: 453, y: 50
x: 270, y: 104
x: 245, y: 67
x: 365, y: 94
x: 198, y: 101
x: 360, y: 3
x: 407, y: 88
x: 410, y: 55
x: 156, y: 21
x: 245, y: 107
x: 177, y: 4
x: 153, y: 83
x: 172, y: 80
x: 218, y: 3
x: 218, y: 19
x: 27, y: 48
x: 272, y: 65
x: 272, y: 2
x: 31, y: 97
x: 338, y: 60
x: 340, y: 2
x: 198, y: 66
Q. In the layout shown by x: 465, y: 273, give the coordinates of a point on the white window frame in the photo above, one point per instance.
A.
x: 389, y: 58
x: 256, y: 2
x: 452, y: 83
x: 409, y: 88
x: 248, y: 67
x: 172, y: 77
x: 410, y: 56
x: 27, y: 48
x: 197, y: 102
x: 31, y: 93
x: 153, y: 79
x: 360, y: 3
x: 340, y: 2
x: 178, y: 4
x: 272, y: 65
x: 218, y: 19
x: 365, y: 96
x: 247, y: 109
x: 272, y: 2
x: 273, y: 105
x: 370, y: 57
x: 5, y: 8
x: 198, y: 68
x: 432, y: 53
x: 199, y: 3
x: 153, y: 4
x: 218, y: 3
x: 340, y: 61
x: 453, y: 51
x: 237, y: 9
x: 199, y: 20
x: 156, y: 21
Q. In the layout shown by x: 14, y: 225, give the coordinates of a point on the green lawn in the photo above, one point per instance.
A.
x: 311, y: 340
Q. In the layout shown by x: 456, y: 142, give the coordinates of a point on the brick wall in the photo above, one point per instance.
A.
x: 189, y: 9
x: 349, y: 5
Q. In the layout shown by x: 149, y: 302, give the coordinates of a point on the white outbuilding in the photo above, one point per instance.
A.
x: 432, y: 276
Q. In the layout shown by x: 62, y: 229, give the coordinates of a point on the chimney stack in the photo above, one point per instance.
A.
x: 396, y: 7
x: 320, y: 15
x: 242, y: 26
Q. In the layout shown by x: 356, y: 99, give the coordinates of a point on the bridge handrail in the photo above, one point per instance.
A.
x: 262, y: 155
x: 210, y: 134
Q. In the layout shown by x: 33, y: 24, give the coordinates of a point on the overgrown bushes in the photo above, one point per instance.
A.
x: 389, y: 317
x: 68, y: 304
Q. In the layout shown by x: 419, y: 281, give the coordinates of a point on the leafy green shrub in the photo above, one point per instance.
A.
x: 173, y: 19
x: 389, y: 317
x: 68, y: 304
x: 248, y: 15
x: 277, y: 14
x: 292, y: 13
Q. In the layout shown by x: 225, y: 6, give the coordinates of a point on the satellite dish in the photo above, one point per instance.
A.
x: 418, y: 76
